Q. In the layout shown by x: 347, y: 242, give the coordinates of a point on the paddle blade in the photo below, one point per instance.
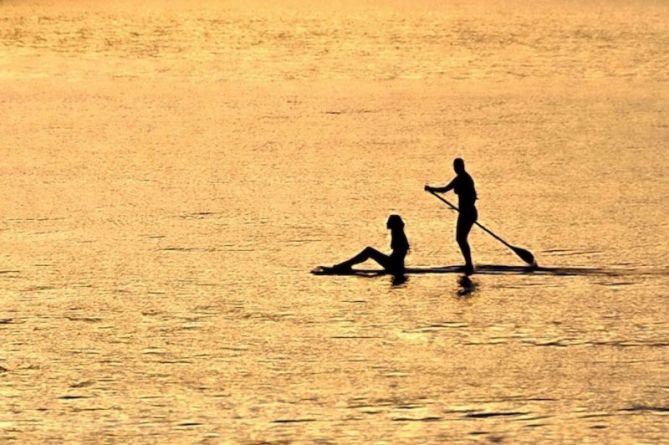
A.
x: 526, y: 256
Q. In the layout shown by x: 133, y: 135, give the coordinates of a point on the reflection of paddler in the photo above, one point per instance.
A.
x: 463, y: 186
x: 393, y: 263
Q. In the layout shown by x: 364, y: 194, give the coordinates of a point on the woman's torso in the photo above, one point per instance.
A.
x: 400, y: 247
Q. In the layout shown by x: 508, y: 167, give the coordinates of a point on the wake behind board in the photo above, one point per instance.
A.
x: 481, y: 269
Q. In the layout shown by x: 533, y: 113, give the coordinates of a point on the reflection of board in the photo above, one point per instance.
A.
x: 482, y: 269
x: 326, y: 270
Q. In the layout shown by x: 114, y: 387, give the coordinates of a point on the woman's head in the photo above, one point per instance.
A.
x: 395, y: 222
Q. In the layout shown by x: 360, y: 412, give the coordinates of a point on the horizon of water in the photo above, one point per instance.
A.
x: 171, y: 175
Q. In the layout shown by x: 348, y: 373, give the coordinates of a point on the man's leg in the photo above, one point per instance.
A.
x: 462, y: 232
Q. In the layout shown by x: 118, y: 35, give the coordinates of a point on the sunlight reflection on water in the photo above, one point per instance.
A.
x: 168, y: 184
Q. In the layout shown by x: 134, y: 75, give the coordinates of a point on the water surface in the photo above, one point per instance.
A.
x: 170, y: 176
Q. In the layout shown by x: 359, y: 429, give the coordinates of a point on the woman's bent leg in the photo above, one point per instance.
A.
x: 366, y: 254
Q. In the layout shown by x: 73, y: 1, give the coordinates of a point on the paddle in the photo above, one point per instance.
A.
x: 524, y: 254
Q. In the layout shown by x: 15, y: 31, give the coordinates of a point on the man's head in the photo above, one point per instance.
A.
x: 459, y: 165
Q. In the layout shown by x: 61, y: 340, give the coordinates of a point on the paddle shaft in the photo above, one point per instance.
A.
x: 490, y: 232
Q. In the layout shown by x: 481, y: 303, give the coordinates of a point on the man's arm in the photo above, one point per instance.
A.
x: 444, y: 189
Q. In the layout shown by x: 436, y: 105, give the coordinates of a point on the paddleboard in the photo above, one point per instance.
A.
x: 481, y: 269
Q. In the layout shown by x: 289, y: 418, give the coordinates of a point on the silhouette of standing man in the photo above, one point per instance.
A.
x: 463, y: 186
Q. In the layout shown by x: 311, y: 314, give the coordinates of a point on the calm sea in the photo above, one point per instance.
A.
x: 171, y: 173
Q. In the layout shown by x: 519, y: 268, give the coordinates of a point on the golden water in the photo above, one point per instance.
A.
x: 171, y: 173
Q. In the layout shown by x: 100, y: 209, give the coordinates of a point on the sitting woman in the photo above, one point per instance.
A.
x: 393, y: 263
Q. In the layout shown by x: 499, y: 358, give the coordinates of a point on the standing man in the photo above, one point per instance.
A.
x: 463, y: 186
